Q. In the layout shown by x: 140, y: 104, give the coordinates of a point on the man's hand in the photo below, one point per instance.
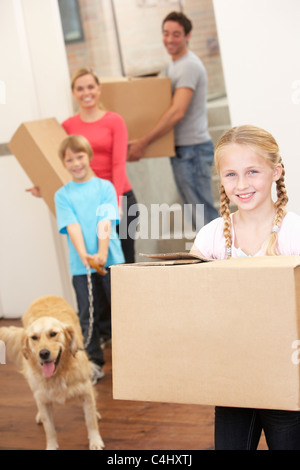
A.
x: 135, y: 150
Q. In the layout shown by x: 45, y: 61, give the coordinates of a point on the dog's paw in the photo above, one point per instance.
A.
x: 96, y: 444
x: 38, y: 418
x: 52, y: 445
x: 98, y: 415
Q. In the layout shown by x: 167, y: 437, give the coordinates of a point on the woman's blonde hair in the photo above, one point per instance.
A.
x: 77, y: 143
x: 86, y: 71
x: 264, y: 144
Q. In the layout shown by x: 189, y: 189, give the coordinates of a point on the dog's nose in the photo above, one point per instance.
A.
x: 44, y: 354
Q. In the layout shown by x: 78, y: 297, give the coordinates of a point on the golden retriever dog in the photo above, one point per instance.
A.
x: 49, y: 351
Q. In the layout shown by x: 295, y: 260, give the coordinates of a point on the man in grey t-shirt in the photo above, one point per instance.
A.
x: 187, y: 115
x: 189, y: 72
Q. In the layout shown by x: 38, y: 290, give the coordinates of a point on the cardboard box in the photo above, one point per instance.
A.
x: 218, y: 333
x: 35, y: 144
x: 141, y: 102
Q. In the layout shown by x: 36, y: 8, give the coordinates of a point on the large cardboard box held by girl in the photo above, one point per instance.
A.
x: 213, y: 333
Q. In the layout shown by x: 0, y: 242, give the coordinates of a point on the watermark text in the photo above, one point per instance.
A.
x: 154, y: 222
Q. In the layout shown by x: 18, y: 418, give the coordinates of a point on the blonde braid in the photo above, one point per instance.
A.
x: 282, y: 200
x: 225, y: 213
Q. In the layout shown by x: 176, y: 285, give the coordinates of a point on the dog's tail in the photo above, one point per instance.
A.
x: 11, y: 346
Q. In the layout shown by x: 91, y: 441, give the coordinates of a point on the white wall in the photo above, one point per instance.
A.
x: 259, y: 42
x: 35, y: 75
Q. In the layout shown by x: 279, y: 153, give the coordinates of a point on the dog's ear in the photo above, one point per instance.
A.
x: 25, y: 345
x: 71, y: 340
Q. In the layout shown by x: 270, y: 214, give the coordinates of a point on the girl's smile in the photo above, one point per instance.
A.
x: 245, y: 197
x: 247, y: 177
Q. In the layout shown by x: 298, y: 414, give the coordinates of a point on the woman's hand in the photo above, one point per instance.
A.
x: 35, y: 191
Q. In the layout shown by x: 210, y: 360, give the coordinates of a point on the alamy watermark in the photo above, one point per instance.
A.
x: 154, y: 222
x: 296, y: 354
x: 2, y: 353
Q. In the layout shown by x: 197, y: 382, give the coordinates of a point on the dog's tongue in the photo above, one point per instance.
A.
x: 48, y: 368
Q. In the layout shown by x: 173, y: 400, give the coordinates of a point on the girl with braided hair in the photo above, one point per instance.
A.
x: 248, y: 162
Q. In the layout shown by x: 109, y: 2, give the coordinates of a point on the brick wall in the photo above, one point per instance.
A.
x: 99, y: 49
x: 204, y: 42
x: 139, y: 29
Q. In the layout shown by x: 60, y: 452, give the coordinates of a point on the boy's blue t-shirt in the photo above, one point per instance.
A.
x: 87, y: 204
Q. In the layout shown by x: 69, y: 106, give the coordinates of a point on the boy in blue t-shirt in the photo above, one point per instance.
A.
x: 87, y: 212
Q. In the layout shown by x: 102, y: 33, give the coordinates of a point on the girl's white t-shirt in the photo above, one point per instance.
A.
x: 210, y: 240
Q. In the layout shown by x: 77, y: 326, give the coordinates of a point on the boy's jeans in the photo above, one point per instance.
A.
x: 102, y: 312
x: 192, y: 173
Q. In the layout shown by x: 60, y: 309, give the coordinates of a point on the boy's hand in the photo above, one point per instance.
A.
x: 85, y: 258
x: 100, y: 258
x: 98, y: 262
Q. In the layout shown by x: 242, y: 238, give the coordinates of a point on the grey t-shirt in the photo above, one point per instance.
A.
x: 189, y: 72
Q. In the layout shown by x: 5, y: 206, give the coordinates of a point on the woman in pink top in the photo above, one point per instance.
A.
x: 249, y: 163
x: 107, y: 134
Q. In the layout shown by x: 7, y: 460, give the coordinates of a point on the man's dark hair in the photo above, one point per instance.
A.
x: 181, y: 19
